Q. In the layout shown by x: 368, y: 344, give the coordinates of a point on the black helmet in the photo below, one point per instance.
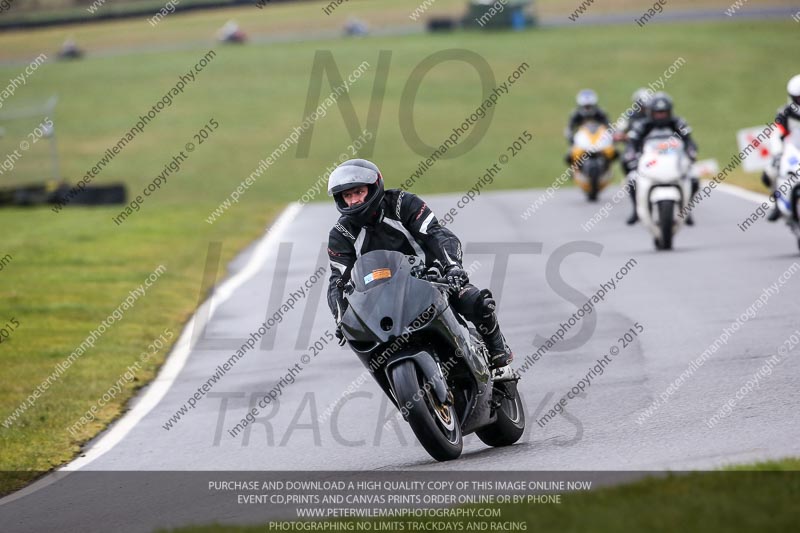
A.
x: 660, y: 109
x: 353, y: 173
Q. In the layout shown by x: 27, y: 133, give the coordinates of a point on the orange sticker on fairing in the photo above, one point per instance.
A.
x: 381, y: 273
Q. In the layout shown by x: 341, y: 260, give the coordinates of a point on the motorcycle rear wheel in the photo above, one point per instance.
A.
x: 435, y: 425
x: 510, y: 423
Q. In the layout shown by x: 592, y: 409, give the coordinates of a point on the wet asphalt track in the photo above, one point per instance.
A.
x: 683, y: 299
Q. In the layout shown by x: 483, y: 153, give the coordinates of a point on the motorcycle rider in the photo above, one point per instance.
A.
x: 587, y: 110
x: 376, y: 219
x: 787, y: 122
x: 660, y: 119
x: 641, y: 98
x: 638, y: 111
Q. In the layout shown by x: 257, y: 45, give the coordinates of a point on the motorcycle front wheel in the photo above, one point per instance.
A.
x: 665, y: 222
x: 594, y: 190
x: 435, y: 425
x: 594, y: 183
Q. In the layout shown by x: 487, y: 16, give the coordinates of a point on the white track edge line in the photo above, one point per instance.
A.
x: 735, y: 190
x: 174, y: 363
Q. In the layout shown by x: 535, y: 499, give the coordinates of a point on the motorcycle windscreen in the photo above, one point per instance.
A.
x: 387, y: 298
x: 377, y: 267
x: 663, y: 158
x: 593, y: 137
x: 663, y: 145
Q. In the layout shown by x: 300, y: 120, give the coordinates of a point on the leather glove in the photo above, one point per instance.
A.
x: 630, y: 155
x: 434, y: 273
x: 418, y: 271
x: 348, y: 287
x: 456, y: 277
x: 340, y: 336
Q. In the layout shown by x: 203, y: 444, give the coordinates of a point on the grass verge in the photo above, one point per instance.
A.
x: 70, y: 270
x: 754, y: 497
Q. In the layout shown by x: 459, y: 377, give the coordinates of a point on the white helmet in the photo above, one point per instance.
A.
x: 793, y: 88
x: 642, y: 96
x: 587, y: 102
x: 586, y: 97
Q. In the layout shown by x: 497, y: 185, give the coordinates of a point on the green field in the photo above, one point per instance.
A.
x: 290, y: 18
x: 758, y: 497
x: 70, y: 270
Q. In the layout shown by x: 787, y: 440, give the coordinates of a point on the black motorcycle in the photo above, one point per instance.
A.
x: 426, y: 358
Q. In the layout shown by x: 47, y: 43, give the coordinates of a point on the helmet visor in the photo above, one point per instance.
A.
x: 661, y: 115
x: 354, y: 196
x: 344, y: 178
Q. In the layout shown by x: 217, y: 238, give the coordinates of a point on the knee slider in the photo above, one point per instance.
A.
x: 488, y: 305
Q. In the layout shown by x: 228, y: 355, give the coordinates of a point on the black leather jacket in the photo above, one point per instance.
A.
x: 643, y: 128
x: 576, y: 120
x: 406, y: 225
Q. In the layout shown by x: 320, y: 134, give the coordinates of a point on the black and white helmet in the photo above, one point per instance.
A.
x: 793, y: 88
x: 353, y: 173
x: 660, y: 109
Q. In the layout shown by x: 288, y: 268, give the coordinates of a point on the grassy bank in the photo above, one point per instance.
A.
x: 70, y: 270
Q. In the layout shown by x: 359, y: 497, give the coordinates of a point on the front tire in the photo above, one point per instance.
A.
x: 510, y: 423
x: 436, y: 426
x: 594, y: 182
x: 666, y: 210
x: 593, y: 190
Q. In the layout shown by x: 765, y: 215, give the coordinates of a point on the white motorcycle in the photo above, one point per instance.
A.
x: 663, y: 187
x: 787, y: 186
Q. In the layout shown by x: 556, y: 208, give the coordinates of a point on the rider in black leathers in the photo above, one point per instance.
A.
x: 587, y: 110
x: 659, y: 117
x: 377, y: 219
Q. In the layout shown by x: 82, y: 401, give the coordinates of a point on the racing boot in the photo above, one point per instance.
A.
x: 774, y: 213
x: 768, y: 182
x: 632, y: 193
x: 500, y: 355
x: 695, y: 188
